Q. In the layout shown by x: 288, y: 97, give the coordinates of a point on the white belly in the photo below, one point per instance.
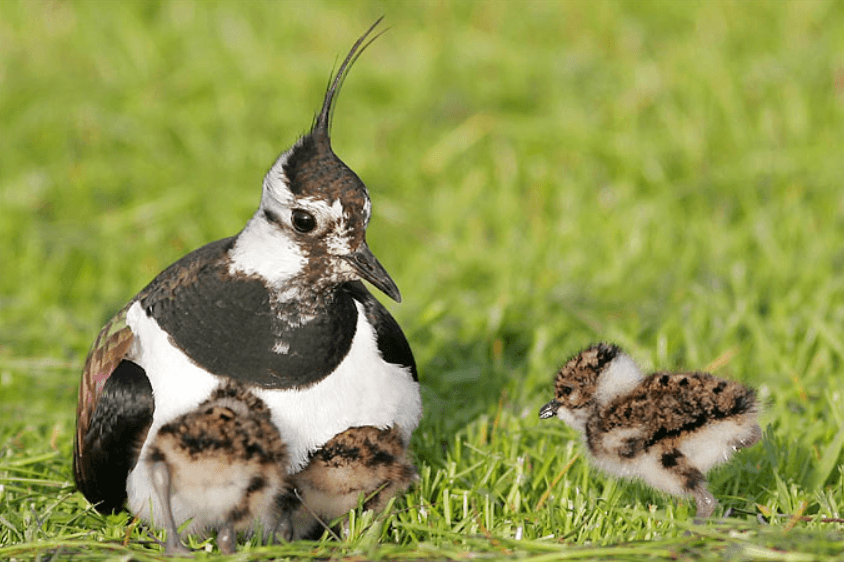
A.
x: 362, y: 390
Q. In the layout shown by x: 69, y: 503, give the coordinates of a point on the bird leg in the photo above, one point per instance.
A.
x: 284, y: 528
x: 161, y: 483
x: 286, y: 503
x: 751, y: 439
x: 226, y: 537
x: 694, y: 483
x: 705, y: 501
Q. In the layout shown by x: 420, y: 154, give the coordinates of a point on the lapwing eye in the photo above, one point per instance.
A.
x: 303, y: 221
x: 566, y: 390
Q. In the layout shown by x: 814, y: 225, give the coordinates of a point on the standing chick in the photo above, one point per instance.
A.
x: 668, y: 429
x: 223, y: 466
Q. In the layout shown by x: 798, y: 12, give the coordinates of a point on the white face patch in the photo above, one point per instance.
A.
x: 620, y: 377
x: 332, y: 221
x: 275, y: 192
x: 264, y: 250
x: 337, y: 241
x: 576, y: 419
x: 367, y: 211
x: 270, y: 250
x: 333, y: 224
x: 338, y: 237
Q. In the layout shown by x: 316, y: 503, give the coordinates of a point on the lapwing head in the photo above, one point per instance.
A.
x: 580, y: 382
x: 310, y: 229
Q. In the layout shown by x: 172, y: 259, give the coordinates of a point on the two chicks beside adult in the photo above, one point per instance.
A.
x: 223, y: 466
x: 274, y: 321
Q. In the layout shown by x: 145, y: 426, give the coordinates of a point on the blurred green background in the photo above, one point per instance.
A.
x: 665, y: 175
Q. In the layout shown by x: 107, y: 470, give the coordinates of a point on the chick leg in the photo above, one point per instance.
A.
x: 705, y: 501
x: 161, y: 483
x: 691, y: 481
x: 694, y: 483
x: 747, y: 441
x: 226, y: 537
x: 286, y: 503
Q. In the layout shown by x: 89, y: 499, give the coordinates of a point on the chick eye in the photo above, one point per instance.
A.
x: 566, y: 390
x: 303, y: 221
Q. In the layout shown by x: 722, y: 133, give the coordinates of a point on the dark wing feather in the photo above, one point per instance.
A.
x: 106, y: 372
x: 109, y: 349
x: 112, y: 444
x: 110, y: 356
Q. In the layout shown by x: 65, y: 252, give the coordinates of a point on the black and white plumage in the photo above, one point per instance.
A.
x: 222, y: 466
x: 279, y: 307
x: 667, y: 429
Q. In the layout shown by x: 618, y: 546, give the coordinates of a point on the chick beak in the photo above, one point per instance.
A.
x: 370, y: 269
x: 549, y: 410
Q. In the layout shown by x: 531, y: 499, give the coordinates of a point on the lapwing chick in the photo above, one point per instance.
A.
x: 280, y: 307
x: 362, y: 465
x: 667, y: 429
x: 223, y: 467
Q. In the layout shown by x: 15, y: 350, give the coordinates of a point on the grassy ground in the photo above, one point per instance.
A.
x: 667, y: 176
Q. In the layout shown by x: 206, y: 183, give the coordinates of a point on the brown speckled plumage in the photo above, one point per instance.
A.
x: 581, y: 375
x: 672, y: 405
x: 361, y: 464
x: 223, y: 464
x: 238, y: 431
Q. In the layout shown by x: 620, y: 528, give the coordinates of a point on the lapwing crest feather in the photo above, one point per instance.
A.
x: 322, y: 122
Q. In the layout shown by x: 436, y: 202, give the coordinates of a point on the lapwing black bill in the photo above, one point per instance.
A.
x: 280, y: 307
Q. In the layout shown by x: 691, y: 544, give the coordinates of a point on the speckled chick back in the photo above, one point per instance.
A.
x: 671, y: 407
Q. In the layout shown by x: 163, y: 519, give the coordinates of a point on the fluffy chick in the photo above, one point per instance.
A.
x: 667, y: 429
x: 223, y: 466
x: 361, y: 464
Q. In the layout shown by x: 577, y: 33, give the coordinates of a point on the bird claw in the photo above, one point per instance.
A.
x: 284, y: 530
x: 175, y: 547
x: 706, y: 503
x: 226, y: 539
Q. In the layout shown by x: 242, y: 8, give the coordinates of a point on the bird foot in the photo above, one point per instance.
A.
x: 175, y: 547
x: 705, y: 502
x: 226, y: 539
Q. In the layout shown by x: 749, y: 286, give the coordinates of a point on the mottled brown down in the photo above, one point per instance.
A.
x: 667, y: 429
x: 227, y: 460
x: 362, y: 464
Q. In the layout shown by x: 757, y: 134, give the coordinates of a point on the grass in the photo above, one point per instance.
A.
x: 667, y: 176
